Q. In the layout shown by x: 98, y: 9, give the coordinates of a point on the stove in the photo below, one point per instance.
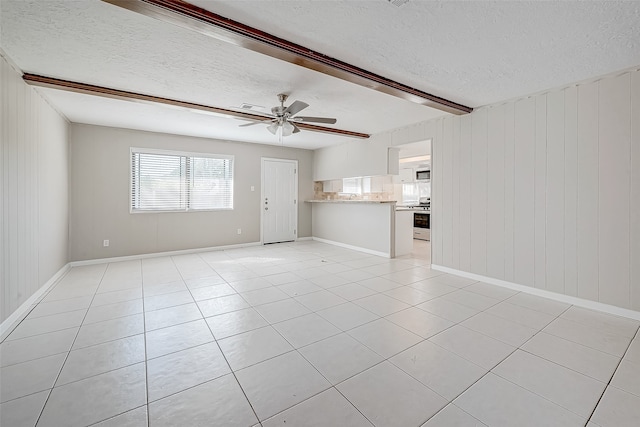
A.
x: 421, y: 206
x: 422, y: 221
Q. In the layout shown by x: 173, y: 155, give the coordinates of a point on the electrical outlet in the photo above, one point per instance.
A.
x: 239, y: 230
x: 253, y: 188
x: 105, y: 243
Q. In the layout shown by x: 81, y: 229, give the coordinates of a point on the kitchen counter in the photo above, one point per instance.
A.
x: 364, y: 225
x: 349, y: 201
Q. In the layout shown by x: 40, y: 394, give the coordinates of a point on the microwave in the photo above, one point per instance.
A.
x: 423, y: 175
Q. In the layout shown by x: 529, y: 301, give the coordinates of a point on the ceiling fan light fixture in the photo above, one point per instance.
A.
x: 287, y: 129
x: 273, y: 128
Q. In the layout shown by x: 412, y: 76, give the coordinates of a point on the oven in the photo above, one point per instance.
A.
x: 422, y: 225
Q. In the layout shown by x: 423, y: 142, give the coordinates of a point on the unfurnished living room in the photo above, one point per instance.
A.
x: 260, y: 213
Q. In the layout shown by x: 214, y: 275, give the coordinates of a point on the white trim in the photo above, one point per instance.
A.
x: 300, y: 239
x: 161, y: 254
x: 180, y: 153
x: 21, y: 312
x: 580, y: 302
x: 355, y: 248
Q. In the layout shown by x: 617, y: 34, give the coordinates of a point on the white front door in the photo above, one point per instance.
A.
x: 279, y: 200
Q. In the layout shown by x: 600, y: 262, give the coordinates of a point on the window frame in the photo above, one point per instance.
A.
x: 188, y: 179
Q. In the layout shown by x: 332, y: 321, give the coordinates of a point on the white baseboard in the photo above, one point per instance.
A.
x: 302, y: 239
x: 355, y: 248
x: 161, y: 254
x: 580, y: 302
x: 21, y: 312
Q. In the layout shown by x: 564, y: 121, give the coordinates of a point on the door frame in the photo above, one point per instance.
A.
x: 295, y: 163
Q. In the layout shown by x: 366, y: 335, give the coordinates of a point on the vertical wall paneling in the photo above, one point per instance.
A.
x: 540, y: 197
x: 12, y: 235
x: 509, y: 184
x: 545, y: 191
x: 435, y: 201
x: 29, y: 126
x: 570, y: 190
x: 465, y: 192
x: 524, y: 197
x: 634, y: 258
x: 495, y: 192
x: 4, y: 175
x: 554, y: 230
x: 587, y: 218
x: 614, y: 189
x: 479, y: 191
x: 436, y: 192
x: 447, y: 191
x: 455, y: 214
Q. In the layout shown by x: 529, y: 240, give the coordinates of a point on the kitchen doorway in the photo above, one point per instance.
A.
x: 279, y: 200
x: 414, y: 192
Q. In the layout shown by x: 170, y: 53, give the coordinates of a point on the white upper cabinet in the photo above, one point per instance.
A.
x: 407, y: 175
x: 355, y: 159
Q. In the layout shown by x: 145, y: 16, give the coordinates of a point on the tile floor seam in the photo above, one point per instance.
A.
x: 538, y: 394
x: 69, y: 352
x: 226, y: 360
x: 595, y: 327
x: 117, y: 415
x: 38, y: 358
x: 583, y: 344
x: 146, y: 354
x: 608, y: 384
x: 36, y: 335
x: 566, y: 367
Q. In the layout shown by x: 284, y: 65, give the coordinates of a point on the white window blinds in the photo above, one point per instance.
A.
x: 170, y: 181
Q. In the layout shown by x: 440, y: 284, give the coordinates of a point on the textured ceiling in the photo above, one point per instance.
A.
x: 472, y: 52
x: 475, y: 53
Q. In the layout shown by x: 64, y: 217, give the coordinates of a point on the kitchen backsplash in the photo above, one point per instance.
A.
x: 357, y: 188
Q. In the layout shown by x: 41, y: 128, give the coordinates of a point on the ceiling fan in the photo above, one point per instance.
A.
x: 284, y: 119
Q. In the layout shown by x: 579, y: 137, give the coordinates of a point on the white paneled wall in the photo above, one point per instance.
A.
x: 545, y: 191
x: 34, y: 187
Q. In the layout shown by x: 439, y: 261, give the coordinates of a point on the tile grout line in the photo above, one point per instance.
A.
x: 219, y: 348
x: 146, y: 364
x: 608, y: 384
x: 70, y: 348
x: 486, y: 373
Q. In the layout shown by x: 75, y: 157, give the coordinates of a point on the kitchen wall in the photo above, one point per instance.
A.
x: 34, y: 188
x: 100, y: 195
x: 544, y: 191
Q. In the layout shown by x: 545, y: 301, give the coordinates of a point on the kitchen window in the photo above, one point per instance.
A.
x: 169, y: 181
x: 356, y: 185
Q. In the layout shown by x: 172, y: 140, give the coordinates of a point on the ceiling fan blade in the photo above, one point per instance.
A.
x: 305, y: 119
x: 257, y: 118
x: 295, y: 108
x: 249, y: 124
x: 296, y: 129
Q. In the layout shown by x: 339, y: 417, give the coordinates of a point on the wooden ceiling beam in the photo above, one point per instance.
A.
x: 194, y: 18
x: 105, y: 92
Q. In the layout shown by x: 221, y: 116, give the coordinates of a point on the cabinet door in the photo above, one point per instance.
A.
x: 406, y: 175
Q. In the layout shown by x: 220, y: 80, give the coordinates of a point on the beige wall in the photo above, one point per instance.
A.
x: 100, y: 195
x: 545, y: 191
x: 34, y: 187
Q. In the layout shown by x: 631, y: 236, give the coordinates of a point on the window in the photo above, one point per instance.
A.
x: 358, y: 186
x: 351, y: 186
x: 172, y: 181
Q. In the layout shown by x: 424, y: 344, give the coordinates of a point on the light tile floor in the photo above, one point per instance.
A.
x: 308, y: 334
